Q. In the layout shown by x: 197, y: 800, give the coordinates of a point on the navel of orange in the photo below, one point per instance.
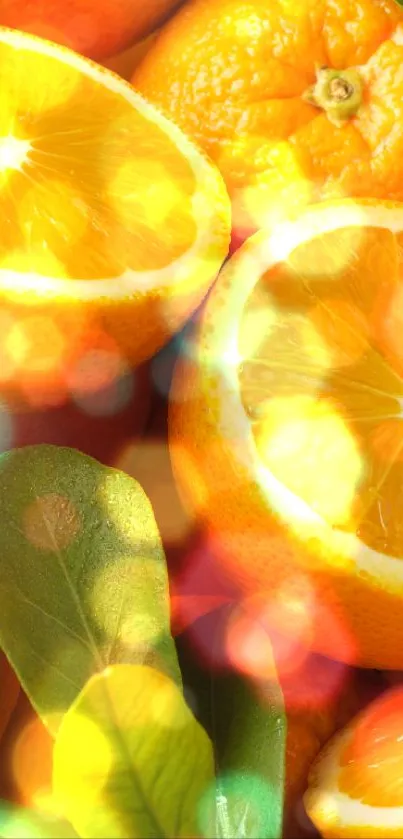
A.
x: 294, y: 101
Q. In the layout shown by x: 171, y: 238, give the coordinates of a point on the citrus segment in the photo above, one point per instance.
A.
x: 372, y: 761
x: 113, y: 219
x: 355, y: 786
x: 294, y: 102
x: 318, y: 391
x: 289, y: 408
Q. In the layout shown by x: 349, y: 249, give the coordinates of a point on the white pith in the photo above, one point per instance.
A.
x: 237, y: 281
x: 208, y: 198
x: 328, y: 806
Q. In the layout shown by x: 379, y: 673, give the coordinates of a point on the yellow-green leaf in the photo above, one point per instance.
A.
x: 22, y: 823
x: 130, y: 759
x: 83, y: 578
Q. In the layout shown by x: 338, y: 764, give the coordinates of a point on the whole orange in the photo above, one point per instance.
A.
x: 96, y: 28
x: 293, y: 100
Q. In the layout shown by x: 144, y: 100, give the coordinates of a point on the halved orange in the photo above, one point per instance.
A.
x: 114, y: 225
x: 286, y: 427
x: 356, y: 784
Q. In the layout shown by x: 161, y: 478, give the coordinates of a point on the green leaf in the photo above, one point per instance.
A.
x: 130, y: 760
x: 83, y: 579
x: 250, y: 736
x: 21, y: 823
x: 246, y: 721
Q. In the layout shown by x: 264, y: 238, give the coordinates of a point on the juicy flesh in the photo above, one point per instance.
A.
x: 371, y: 765
x: 321, y: 379
x: 89, y: 187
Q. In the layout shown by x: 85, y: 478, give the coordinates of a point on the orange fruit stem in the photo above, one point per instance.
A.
x: 337, y: 92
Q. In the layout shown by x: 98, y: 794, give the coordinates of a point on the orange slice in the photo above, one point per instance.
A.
x: 287, y: 427
x: 114, y: 224
x: 356, y: 784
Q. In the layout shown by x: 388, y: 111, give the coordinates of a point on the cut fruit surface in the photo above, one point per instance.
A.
x: 115, y: 224
x: 355, y: 786
x: 286, y: 426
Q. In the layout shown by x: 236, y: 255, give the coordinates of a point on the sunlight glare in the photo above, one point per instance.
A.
x: 51, y: 522
x: 13, y: 153
x: 237, y: 804
x: 97, y: 752
x: 35, y: 344
x: 32, y: 766
x: 255, y: 328
x: 319, y: 254
x: 134, y: 631
x: 280, y: 189
x: 307, y: 445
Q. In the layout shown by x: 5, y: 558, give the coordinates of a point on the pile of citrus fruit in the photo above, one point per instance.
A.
x: 236, y: 168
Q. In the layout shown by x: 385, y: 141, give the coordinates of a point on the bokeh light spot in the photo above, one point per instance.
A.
x: 164, y: 708
x: 132, y: 180
x: 148, y: 461
x: 308, y: 446
x: 51, y: 522
x: 133, y: 630
x: 325, y: 255
x: 96, y: 760
x: 101, y: 383
x: 345, y: 328
x: 31, y: 766
x: 8, y: 364
x: 280, y: 192
x: 259, y: 640
x: 37, y: 91
x: 256, y: 327
x: 38, y: 259
x: 249, y: 646
x: 35, y: 345
x: 238, y: 804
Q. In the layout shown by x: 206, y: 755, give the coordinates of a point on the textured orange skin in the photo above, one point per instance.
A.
x: 231, y: 73
x: 94, y: 28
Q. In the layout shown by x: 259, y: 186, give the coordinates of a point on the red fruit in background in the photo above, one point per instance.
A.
x: 9, y: 692
x: 96, y: 28
x: 98, y: 422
